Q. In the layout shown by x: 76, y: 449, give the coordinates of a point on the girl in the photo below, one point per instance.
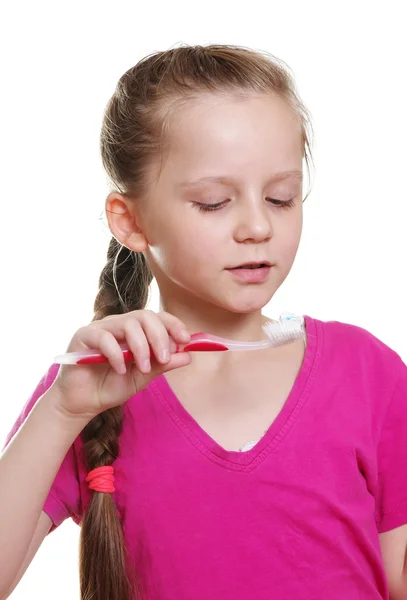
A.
x: 274, y: 474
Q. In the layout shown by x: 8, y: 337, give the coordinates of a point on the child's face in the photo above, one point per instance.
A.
x: 190, y: 251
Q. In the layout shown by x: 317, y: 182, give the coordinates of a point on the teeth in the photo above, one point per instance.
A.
x: 251, y: 267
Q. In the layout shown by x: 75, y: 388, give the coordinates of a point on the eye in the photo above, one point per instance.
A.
x: 218, y: 205
x: 209, y: 207
x: 281, y: 203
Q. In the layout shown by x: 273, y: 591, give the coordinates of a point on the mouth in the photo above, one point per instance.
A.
x: 253, y: 265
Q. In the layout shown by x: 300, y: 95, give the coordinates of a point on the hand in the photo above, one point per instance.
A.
x: 87, y: 390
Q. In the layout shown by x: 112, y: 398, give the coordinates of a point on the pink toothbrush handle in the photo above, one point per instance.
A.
x: 195, y: 345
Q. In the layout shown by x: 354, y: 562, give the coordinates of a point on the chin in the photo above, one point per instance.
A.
x: 246, y: 306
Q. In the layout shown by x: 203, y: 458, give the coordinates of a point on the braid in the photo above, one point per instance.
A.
x: 123, y: 283
x: 123, y: 287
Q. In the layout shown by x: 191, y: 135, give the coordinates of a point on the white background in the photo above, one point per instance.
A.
x: 60, y: 63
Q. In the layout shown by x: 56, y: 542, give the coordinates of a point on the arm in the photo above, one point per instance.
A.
x: 43, y: 526
x: 28, y: 467
x: 394, y: 552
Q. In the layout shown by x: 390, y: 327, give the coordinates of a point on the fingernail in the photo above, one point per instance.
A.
x: 146, y: 365
x: 185, y: 335
x: 165, y: 355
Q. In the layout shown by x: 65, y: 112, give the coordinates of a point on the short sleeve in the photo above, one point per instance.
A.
x: 391, y: 501
x: 64, y: 499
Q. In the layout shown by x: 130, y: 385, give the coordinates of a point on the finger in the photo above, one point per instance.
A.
x: 137, y: 341
x: 176, y: 328
x: 104, y: 342
x: 157, y: 336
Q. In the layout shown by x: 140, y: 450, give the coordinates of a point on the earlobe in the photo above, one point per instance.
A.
x: 136, y: 242
x: 123, y: 222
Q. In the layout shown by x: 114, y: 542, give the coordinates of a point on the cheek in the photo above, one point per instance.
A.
x: 185, y: 250
x: 198, y: 237
x: 197, y: 248
x: 290, y: 237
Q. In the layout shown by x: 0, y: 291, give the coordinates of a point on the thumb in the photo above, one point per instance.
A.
x: 180, y: 359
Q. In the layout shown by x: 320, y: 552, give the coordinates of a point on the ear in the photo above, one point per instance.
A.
x: 123, y: 222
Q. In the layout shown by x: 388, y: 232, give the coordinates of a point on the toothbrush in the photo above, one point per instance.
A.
x: 289, y: 328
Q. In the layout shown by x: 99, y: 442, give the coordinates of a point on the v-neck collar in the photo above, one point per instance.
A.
x: 246, y: 461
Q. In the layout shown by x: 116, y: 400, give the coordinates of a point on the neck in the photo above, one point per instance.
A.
x: 235, y: 326
x: 217, y: 321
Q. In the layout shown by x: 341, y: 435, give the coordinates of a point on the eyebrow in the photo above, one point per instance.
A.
x: 228, y: 180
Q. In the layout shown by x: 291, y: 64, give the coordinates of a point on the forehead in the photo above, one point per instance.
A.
x: 226, y: 134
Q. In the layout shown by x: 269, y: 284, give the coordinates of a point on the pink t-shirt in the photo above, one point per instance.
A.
x: 297, y: 516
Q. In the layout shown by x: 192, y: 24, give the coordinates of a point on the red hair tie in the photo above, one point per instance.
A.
x: 101, y: 479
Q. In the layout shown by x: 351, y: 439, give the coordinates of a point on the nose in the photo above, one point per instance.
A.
x: 253, y: 222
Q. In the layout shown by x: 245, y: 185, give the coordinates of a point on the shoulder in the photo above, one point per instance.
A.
x: 368, y: 374
x: 355, y: 343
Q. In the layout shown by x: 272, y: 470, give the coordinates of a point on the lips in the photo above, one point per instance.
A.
x: 248, y: 273
x: 252, y: 265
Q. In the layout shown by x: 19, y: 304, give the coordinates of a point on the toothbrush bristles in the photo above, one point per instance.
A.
x: 280, y: 335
